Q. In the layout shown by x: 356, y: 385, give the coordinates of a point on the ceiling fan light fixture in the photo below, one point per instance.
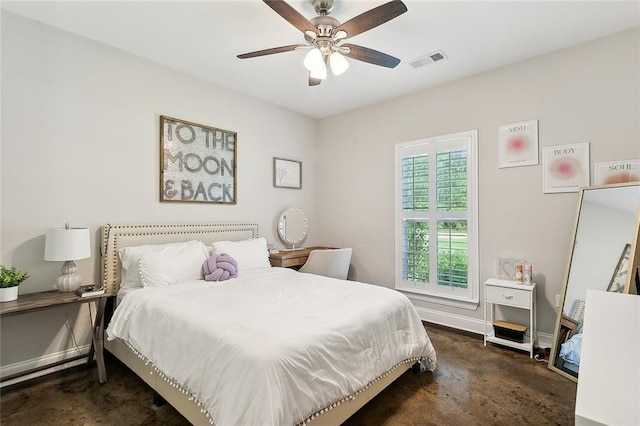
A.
x: 313, y: 60
x: 338, y: 63
x: 324, y: 35
x: 320, y: 72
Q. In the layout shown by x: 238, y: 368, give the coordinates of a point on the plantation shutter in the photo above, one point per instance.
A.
x: 436, y: 244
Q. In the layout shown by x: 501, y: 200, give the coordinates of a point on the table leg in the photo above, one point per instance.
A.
x: 97, y: 341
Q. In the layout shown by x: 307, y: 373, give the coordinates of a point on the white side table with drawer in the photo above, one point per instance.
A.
x: 509, y: 293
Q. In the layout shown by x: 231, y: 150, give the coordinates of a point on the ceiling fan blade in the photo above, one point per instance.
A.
x: 271, y: 51
x: 291, y: 15
x: 314, y: 81
x: 371, y: 56
x: 372, y: 18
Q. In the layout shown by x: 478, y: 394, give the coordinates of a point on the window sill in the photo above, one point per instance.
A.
x: 469, y: 304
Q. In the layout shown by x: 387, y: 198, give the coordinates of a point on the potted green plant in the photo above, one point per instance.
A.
x: 10, y: 279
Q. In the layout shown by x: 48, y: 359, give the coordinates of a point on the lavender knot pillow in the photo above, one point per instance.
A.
x: 220, y: 267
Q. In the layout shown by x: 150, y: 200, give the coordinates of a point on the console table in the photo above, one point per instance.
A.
x: 49, y: 299
x: 292, y: 258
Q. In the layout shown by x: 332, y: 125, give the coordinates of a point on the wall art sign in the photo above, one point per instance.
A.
x: 287, y: 173
x: 565, y: 168
x: 518, y: 144
x: 197, y: 162
x: 617, y: 172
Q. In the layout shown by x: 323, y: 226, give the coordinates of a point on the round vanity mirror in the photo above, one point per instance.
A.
x: 293, y: 226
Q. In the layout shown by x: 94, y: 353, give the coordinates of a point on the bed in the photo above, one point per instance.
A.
x: 271, y: 346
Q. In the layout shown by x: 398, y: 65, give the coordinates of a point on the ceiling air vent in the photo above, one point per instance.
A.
x: 436, y: 56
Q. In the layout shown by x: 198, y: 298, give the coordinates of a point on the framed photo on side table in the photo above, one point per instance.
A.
x: 287, y: 173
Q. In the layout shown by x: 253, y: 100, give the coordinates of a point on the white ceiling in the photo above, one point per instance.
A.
x: 202, y: 38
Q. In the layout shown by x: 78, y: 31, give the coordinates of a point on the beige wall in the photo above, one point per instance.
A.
x: 588, y: 93
x: 80, y: 144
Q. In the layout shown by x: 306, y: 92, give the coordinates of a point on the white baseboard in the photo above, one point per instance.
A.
x: 545, y: 340
x: 30, y: 364
x: 459, y: 322
x: 472, y: 325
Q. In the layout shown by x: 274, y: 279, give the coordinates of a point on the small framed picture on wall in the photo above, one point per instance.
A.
x: 617, y: 172
x: 518, y: 144
x: 565, y: 168
x: 287, y: 173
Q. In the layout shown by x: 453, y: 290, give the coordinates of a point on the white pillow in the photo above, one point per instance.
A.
x: 172, y: 263
x: 130, y: 272
x: 130, y: 260
x: 250, y: 254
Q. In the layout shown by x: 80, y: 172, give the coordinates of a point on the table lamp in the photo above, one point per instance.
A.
x: 67, y: 244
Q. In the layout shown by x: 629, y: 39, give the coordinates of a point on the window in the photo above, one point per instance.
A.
x: 436, y: 219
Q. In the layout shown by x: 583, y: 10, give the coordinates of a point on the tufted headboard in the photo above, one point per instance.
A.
x: 115, y: 237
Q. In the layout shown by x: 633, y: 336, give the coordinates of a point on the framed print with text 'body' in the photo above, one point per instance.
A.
x: 565, y: 168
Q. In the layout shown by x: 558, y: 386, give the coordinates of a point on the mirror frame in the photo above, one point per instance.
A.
x: 634, y: 262
x: 281, y: 226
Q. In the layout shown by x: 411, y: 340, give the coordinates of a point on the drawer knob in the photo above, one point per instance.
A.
x: 508, y: 297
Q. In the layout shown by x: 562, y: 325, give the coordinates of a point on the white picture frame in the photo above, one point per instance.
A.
x: 518, y: 144
x: 565, y: 168
x: 617, y: 172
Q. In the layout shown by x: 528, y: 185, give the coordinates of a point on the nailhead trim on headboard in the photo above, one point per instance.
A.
x: 114, y: 237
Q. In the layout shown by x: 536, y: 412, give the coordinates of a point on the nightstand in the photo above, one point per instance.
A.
x: 49, y: 299
x: 509, y: 293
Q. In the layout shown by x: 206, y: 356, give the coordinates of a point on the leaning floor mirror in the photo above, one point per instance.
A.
x: 604, y: 256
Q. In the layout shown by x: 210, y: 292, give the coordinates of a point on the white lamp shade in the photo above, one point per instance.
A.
x: 313, y: 61
x: 338, y: 63
x: 319, y: 73
x: 64, y: 244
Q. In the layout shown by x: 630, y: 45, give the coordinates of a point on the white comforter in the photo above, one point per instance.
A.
x: 272, y: 346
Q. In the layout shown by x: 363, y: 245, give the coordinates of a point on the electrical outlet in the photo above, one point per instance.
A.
x: 557, y: 300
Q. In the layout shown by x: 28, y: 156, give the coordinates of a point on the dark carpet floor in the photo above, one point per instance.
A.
x: 472, y: 385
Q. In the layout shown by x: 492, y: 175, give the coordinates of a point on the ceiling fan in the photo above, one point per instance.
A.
x: 325, y: 37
